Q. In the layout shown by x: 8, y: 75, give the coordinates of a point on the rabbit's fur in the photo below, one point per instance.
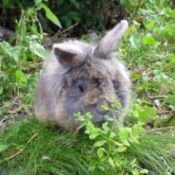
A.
x: 81, y: 77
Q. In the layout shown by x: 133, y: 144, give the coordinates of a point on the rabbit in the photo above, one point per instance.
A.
x: 80, y: 77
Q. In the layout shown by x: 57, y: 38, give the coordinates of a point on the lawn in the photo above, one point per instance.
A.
x: 143, y: 144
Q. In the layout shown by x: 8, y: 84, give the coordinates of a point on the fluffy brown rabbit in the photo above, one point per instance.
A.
x: 79, y: 77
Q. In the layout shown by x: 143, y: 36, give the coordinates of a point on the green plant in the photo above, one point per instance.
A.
x: 37, y: 148
x: 129, y: 150
x: 19, y: 62
x: 29, y: 22
x: 18, y: 76
x: 144, y: 144
x: 112, y: 145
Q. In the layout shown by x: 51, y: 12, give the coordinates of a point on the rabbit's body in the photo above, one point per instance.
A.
x: 79, y: 77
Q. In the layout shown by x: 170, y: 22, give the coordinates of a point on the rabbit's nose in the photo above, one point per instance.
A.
x: 110, y: 96
x: 91, y: 97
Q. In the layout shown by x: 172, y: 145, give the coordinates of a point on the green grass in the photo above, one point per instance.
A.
x: 29, y: 147
x: 35, y: 148
x: 156, y: 152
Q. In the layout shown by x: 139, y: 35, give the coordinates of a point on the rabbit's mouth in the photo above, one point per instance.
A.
x: 99, y: 116
x: 96, y: 110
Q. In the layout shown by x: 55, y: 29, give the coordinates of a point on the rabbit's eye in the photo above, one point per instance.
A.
x: 81, y: 88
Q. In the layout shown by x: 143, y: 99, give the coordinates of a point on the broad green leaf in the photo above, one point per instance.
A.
x: 133, y: 162
x: 170, y: 13
x: 100, y: 143
x: 7, y: 50
x: 100, y: 152
x: 92, y: 131
x: 121, y: 149
x: 136, y: 132
x: 112, y: 134
x: 22, y: 26
x: 111, y: 162
x: 172, y: 59
x: 124, y: 134
x: 136, y: 75
x: 79, y: 116
x: 105, y: 127
x: 88, y: 115
x: 20, y: 77
x: 39, y: 50
x: 92, y: 136
x: 3, y: 147
x: 89, y: 128
x: 144, y: 171
x: 37, y: 2
x: 86, y: 38
x: 50, y: 15
x: 170, y: 100
x: 135, y: 172
x: 149, y: 40
x: 147, y: 113
x: 117, y: 143
x: 150, y: 24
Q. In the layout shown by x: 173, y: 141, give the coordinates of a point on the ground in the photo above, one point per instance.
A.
x: 145, y: 144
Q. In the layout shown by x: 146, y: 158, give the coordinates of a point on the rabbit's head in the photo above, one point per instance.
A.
x: 82, y: 78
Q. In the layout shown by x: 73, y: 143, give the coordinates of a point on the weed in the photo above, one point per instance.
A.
x: 144, y: 144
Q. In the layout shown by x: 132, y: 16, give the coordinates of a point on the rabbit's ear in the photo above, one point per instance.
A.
x: 68, y: 54
x: 111, y: 40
